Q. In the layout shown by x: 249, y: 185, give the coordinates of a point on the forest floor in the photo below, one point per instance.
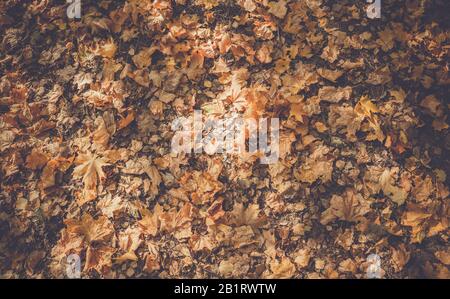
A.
x: 360, y: 186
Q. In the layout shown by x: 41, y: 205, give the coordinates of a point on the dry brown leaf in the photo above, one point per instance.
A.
x: 331, y: 75
x: 36, y: 160
x: 129, y: 241
x: 350, y: 207
x: 150, y: 222
x: 90, y: 170
x: 252, y: 215
x: 443, y: 256
x: 281, y: 269
x: 416, y: 218
x: 334, y: 95
x: 92, y: 230
x: 99, y: 259
x: 400, y: 257
x: 278, y: 8
x: 397, y: 194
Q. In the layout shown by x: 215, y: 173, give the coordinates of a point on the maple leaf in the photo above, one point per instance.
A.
x: 106, y: 49
x: 330, y: 52
x: 330, y: 74
x: 334, y: 95
x: 317, y: 166
x: 433, y: 105
x: 351, y: 207
x: 101, y: 136
x: 443, y: 256
x: 48, y: 179
x: 367, y: 109
x: 278, y: 9
x: 247, y: 216
x: 178, y: 223
x: 416, y: 218
x: 398, y: 195
x: 99, y: 259
x: 92, y: 230
x: 281, y: 269
x: 111, y: 206
x: 150, y: 222
x: 36, y: 160
x: 400, y: 257
x: 91, y: 172
x: 129, y: 241
x: 144, y: 58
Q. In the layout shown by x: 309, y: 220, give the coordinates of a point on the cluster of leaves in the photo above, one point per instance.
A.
x: 86, y: 108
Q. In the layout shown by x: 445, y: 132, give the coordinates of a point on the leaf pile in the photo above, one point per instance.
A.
x: 86, y: 108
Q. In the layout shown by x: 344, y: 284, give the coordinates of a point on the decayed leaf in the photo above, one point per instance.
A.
x: 235, y: 266
x: 399, y: 95
x: 386, y: 40
x: 215, y: 214
x: 330, y: 52
x: 202, y: 242
x: 101, y: 135
x: 106, y: 94
x: 297, y: 112
x: 48, y: 179
x: 106, y: 49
